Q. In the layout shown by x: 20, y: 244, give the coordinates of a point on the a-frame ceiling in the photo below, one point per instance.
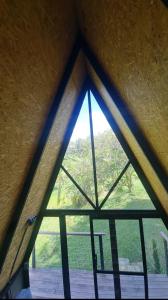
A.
x: 130, y: 42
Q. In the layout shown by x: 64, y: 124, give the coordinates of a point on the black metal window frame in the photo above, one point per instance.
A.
x: 115, y: 260
x: 96, y: 212
x: 115, y: 183
x: 131, y: 158
x: 90, y: 88
x: 112, y: 216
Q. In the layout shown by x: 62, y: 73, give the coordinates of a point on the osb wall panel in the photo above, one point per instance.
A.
x: 132, y: 142
x: 130, y: 40
x: 45, y: 167
x: 36, y: 38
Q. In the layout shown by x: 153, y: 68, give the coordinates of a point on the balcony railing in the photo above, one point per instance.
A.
x: 84, y: 234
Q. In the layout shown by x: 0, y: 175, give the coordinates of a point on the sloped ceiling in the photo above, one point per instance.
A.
x: 129, y: 39
x: 36, y: 42
x: 45, y: 167
x: 36, y: 39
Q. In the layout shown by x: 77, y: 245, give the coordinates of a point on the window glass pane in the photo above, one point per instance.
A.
x: 80, y: 257
x: 105, y: 286
x: 132, y: 287
x: 155, y: 234
x: 78, y: 157
x: 46, y: 275
x: 66, y: 195
x: 129, y: 193
x: 78, y: 162
x: 129, y: 245
x: 102, y: 241
x: 110, y: 157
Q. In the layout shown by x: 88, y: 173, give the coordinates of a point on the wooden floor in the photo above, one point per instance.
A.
x: 47, y: 284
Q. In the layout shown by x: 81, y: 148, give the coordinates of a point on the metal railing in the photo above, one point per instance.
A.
x: 96, y: 234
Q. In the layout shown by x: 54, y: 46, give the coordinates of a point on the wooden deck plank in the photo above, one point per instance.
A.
x: 47, y: 283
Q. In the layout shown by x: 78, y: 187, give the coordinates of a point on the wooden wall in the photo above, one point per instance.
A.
x: 130, y: 40
x: 36, y: 39
x: 44, y: 170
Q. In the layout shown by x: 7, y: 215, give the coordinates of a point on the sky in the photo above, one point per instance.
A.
x: 100, y: 123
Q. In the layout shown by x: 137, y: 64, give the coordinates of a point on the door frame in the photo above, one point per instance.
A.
x: 114, y: 255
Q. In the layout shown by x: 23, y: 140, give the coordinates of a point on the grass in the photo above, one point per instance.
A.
x: 48, y: 251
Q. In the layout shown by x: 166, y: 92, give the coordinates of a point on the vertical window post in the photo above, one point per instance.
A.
x: 93, y: 149
x: 64, y: 253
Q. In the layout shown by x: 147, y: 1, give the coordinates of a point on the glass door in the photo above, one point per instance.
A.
x: 116, y: 274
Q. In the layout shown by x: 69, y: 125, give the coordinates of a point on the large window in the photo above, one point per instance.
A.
x: 101, y: 232
x: 96, y: 172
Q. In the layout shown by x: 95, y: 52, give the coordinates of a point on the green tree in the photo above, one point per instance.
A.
x: 110, y: 161
x: 157, y: 266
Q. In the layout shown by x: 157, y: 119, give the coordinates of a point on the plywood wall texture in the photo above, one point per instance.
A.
x: 130, y: 40
x: 36, y: 38
x: 41, y: 178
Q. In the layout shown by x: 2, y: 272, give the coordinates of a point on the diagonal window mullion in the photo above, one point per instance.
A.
x: 93, y: 149
x: 115, y: 184
x: 77, y: 186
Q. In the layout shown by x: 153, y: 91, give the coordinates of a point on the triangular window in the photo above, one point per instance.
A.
x: 96, y: 172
